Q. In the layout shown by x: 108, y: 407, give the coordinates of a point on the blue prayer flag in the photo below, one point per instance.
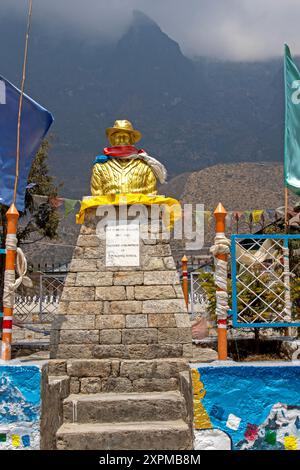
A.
x: 35, y: 123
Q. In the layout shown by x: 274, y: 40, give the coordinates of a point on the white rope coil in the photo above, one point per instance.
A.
x: 21, y: 268
x: 221, y: 304
x: 11, y: 284
x: 221, y: 247
x: 220, y: 274
x: 11, y: 242
x: 8, y: 292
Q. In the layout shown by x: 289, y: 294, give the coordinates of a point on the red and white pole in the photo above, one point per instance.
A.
x: 12, y: 216
x: 220, y: 215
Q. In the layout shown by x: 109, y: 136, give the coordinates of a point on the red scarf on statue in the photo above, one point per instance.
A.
x: 121, y: 151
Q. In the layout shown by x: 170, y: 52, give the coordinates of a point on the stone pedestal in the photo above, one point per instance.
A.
x: 129, y: 312
x: 122, y: 338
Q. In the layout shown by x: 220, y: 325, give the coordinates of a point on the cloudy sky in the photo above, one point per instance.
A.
x: 226, y: 29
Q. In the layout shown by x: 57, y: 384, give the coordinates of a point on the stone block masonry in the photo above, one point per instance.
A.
x: 122, y: 338
x: 121, y: 312
x: 117, y: 375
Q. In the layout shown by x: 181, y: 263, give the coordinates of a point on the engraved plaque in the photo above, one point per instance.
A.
x: 123, y: 245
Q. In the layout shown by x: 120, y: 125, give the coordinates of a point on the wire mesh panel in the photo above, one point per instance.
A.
x: 199, y: 306
x: 39, y: 303
x: 265, y: 280
x: 51, y: 287
x: 197, y: 295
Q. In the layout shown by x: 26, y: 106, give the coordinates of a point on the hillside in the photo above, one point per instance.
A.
x: 239, y: 186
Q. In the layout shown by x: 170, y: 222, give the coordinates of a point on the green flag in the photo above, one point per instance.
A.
x: 292, y: 123
x: 70, y: 205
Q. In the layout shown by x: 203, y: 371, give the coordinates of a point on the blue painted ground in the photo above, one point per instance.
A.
x: 248, y: 393
x: 20, y: 394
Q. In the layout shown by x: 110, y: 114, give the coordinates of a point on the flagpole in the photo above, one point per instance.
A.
x: 21, y: 100
x: 12, y: 216
x: 286, y: 203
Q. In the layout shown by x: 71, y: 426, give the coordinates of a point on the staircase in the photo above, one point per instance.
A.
x: 125, y: 421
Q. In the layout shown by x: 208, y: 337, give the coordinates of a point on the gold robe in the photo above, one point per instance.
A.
x: 123, y: 176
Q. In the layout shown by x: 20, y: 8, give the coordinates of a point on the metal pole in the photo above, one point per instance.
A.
x: 286, y: 203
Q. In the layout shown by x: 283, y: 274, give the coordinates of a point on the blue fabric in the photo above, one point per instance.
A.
x: 35, y: 123
x: 101, y: 159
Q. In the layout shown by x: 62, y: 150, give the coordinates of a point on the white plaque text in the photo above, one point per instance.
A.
x: 123, y: 245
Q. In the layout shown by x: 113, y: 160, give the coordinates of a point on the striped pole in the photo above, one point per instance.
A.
x: 12, y: 216
x: 2, y: 258
x: 185, y: 286
x: 220, y: 215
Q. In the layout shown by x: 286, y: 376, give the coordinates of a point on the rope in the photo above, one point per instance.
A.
x: 11, y: 242
x: 21, y: 101
x: 10, y: 282
x: 221, y: 247
x: 21, y: 267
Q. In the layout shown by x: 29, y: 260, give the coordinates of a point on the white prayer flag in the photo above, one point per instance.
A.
x: 2, y: 92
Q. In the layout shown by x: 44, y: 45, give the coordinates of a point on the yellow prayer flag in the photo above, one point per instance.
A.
x: 290, y: 443
x: 16, y: 440
x: 256, y: 215
x: 207, y: 217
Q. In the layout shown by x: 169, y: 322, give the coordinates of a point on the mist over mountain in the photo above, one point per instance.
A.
x: 192, y: 113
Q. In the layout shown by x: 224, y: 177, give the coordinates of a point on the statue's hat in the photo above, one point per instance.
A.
x: 126, y: 126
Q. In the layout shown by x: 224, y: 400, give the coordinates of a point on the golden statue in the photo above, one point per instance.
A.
x: 124, y: 169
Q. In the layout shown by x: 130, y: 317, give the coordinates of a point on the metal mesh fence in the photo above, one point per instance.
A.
x: 201, y: 300
x: 265, y: 280
x: 39, y: 303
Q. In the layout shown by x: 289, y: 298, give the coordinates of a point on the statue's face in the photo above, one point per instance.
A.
x: 120, y: 138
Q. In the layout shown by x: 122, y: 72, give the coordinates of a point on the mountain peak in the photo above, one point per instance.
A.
x: 141, y: 19
x: 144, y: 36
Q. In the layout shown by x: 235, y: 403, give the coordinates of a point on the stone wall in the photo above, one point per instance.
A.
x: 113, y: 312
x: 54, y: 390
x: 115, y: 375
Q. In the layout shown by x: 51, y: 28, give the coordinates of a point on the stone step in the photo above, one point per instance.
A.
x: 162, y: 435
x: 124, y: 407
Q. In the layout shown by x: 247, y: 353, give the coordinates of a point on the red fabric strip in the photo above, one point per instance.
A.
x: 120, y: 150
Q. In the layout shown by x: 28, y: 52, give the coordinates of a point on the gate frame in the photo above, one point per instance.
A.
x: 234, y: 311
